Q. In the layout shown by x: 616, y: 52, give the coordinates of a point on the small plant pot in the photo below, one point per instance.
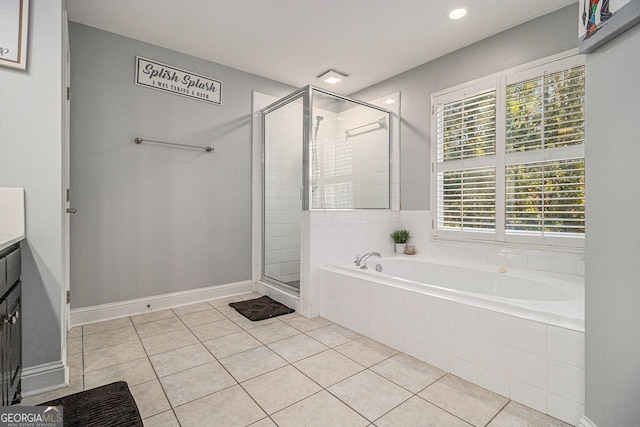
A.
x: 400, y: 247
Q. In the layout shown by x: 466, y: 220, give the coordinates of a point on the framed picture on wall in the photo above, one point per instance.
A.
x: 14, y: 30
x: 600, y: 21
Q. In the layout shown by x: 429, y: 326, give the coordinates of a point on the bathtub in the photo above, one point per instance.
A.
x: 549, y: 298
x: 516, y: 332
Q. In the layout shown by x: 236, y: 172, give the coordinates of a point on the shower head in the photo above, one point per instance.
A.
x: 319, y: 118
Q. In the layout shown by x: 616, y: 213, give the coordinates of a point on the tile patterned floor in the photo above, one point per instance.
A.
x: 205, y: 364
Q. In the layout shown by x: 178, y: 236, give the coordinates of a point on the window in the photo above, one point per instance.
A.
x: 509, y: 157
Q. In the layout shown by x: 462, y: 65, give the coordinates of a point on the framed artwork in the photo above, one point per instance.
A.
x: 14, y: 30
x: 600, y: 21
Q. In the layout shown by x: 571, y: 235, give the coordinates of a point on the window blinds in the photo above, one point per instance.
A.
x: 467, y: 127
x: 510, y: 160
x: 467, y: 198
x: 546, y: 112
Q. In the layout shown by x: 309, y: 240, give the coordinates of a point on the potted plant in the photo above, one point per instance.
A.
x: 400, y: 237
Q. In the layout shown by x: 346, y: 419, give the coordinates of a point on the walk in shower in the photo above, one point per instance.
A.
x: 320, y: 151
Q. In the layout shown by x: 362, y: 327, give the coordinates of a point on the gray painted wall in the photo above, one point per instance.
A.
x: 31, y: 157
x: 545, y: 36
x: 613, y: 240
x: 154, y: 219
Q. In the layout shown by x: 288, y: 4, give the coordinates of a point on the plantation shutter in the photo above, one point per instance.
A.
x: 508, y: 157
x: 466, y: 199
x: 465, y: 165
x: 544, y: 170
x: 545, y: 197
x: 466, y: 128
x: 546, y: 112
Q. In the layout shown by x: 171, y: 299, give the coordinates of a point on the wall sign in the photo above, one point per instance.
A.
x: 156, y: 75
x: 14, y: 23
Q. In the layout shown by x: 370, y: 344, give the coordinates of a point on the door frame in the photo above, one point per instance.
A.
x: 66, y: 128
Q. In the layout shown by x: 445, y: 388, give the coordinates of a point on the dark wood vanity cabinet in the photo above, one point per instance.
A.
x: 10, y: 324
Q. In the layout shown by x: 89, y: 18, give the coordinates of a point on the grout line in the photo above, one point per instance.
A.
x: 442, y: 409
x: 498, y: 413
x: 234, y: 378
x: 287, y: 363
x: 155, y: 373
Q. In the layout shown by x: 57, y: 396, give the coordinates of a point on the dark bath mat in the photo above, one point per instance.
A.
x: 260, y: 308
x: 110, y: 405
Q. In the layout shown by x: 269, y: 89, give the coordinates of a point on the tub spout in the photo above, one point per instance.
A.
x: 362, y: 261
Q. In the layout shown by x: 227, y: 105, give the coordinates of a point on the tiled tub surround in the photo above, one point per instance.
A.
x: 534, y: 363
x: 204, y: 364
x: 335, y: 237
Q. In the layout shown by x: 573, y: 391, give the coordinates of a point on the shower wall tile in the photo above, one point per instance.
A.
x: 493, y: 326
x: 437, y: 358
x: 463, y: 346
x: 528, y: 368
x: 528, y: 395
x: 437, y: 310
x: 464, y: 369
x: 547, y: 260
x: 493, y: 356
x: 566, y: 381
x: 529, y: 336
x: 493, y: 381
x: 415, y: 329
x: 415, y: 349
x: 464, y: 318
x: 565, y: 346
x: 564, y: 409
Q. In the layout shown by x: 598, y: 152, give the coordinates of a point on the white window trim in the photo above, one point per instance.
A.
x: 499, y: 81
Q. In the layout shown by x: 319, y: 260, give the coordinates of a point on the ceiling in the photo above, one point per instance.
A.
x: 294, y: 41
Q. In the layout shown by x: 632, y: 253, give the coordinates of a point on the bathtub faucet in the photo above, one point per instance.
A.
x: 362, y: 261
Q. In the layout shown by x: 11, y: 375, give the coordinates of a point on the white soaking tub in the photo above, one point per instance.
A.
x: 517, y: 332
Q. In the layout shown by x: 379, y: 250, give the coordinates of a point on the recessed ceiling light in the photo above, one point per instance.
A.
x: 458, y: 12
x: 332, y: 77
x: 389, y: 101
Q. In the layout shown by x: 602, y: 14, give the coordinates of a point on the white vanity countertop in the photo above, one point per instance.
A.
x: 11, y: 216
x: 7, y: 240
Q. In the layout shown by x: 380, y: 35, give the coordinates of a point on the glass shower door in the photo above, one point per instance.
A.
x: 283, y: 203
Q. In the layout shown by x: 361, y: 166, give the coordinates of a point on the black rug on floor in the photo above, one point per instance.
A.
x: 110, y: 405
x: 260, y: 308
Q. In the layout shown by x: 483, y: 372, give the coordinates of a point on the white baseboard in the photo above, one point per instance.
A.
x: 586, y: 422
x: 99, y: 313
x: 43, y: 378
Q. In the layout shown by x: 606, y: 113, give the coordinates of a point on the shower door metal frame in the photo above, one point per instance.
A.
x: 303, y: 94
x: 306, y: 94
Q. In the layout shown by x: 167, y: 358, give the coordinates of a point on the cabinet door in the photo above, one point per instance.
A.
x: 14, y: 267
x: 4, y: 286
x: 14, y: 306
x: 4, y: 353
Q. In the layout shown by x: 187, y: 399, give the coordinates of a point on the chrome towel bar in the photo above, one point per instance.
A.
x: 175, y: 144
x: 380, y: 123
